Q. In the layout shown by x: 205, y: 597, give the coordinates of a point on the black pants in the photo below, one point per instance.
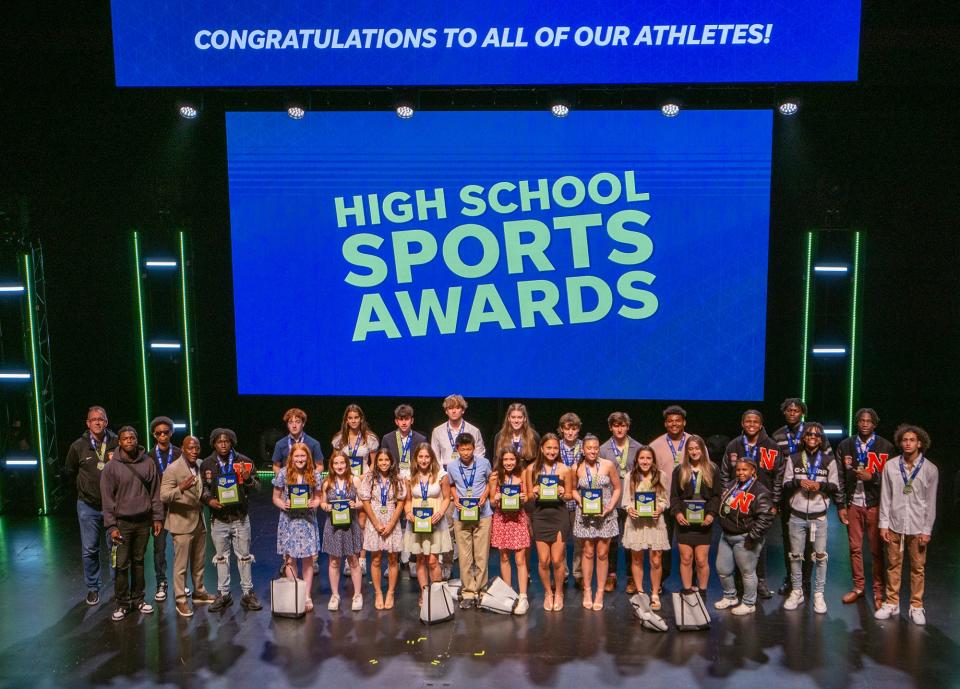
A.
x: 160, y: 556
x: 128, y: 581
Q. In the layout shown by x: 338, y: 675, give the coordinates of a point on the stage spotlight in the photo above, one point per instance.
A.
x: 188, y: 112
x: 670, y: 109
x: 404, y: 111
x: 788, y: 107
x: 560, y: 109
x: 296, y: 112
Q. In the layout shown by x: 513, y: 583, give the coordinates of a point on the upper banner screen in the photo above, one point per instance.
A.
x: 403, y: 43
x: 501, y: 254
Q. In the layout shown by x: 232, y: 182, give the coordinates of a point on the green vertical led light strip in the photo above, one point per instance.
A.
x: 853, y: 327
x: 186, y: 332
x: 34, y: 346
x: 806, y: 316
x: 143, y: 342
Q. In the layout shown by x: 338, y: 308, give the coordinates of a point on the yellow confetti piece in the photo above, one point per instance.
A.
x: 434, y: 662
x: 374, y: 661
x: 422, y: 638
x: 480, y: 653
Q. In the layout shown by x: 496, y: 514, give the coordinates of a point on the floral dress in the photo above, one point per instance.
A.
x: 297, y: 532
x: 595, y: 526
x: 370, y: 489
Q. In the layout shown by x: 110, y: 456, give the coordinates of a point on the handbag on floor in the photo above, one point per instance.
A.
x: 288, y: 597
x: 648, y: 618
x: 497, y: 596
x: 454, y: 586
x: 690, y: 611
x: 437, y: 605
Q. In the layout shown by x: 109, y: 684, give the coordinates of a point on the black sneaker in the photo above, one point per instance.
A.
x: 250, y: 602
x: 221, y: 602
x: 93, y: 597
x: 763, y: 591
x: 467, y: 603
x: 161, y: 594
x: 785, y: 588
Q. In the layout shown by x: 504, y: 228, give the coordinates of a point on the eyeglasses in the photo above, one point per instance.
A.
x: 159, y: 432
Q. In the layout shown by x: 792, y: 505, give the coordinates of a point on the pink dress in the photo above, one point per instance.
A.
x: 509, y: 530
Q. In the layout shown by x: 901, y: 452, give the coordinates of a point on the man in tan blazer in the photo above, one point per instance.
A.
x: 180, y: 491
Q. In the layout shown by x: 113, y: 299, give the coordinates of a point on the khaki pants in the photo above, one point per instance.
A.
x: 188, y: 547
x: 918, y: 558
x: 473, y: 542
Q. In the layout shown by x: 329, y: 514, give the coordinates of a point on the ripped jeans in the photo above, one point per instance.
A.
x: 800, y: 532
x: 233, y: 536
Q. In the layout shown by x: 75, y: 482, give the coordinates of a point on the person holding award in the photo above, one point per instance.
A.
x: 645, y: 527
x: 746, y: 512
x: 427, y: 499
x: 228, y: 477
x: 510, y: 531
x: 296, y: 492
x: 694, y: 501
x: 548, y: 483
x: 597, y: 494
x: 342, y: 537
x: 383, y: 492
x: 469, y: 479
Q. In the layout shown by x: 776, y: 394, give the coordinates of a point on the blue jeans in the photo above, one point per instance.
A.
x: 800, y: 530
x: 733, y: 551
x: 233, y: 536
x: 91, y: 535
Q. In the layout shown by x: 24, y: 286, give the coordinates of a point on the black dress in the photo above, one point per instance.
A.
x: 698, y: 534
x: 550, y: 518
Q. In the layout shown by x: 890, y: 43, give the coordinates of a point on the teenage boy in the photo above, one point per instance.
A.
x: 754, y: 444
x: 810, y: 480
x: 622, y: 450
x: 908, y: 509
x: 469, y: 476
x: 444, y: 437
x: 130, y: 492
x: 668, y: 449
x: 402, y: 444
x: 296, y: 420
x: 226, y: 482
x: 864, y: 456
x: 571, y: 453
x: 164, y: 453
x: 86, y: 460
x: 180, y: 490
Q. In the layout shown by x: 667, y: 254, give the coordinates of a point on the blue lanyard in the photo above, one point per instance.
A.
x: 737, y: 489
x: 812, y: 470
x: 621, y: 456
x: 451, y: 437
x: 404, y: 447
x: 913, y: 474
x: 518, y: 446
x: 163, y: 464
x: 862, y: 450
x: 338, y: 491
x: 793, y: 441
x: 677, y: 450
x: 468, y: 486
x: 590, y: 477
x: 695, y: 480
x: 424, y: 487
x: 571, y: 456
x: 230, y: 458
x: 384, y: 491
x: 751, y: 454
x: 356, y: 445
x: 291, y: 441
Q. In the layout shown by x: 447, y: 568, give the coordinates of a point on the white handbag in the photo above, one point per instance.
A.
x: 288, y: 597
x: 690, y: 611
x: 438, y: 605
x: 497, y: 596
x: 648, y: 618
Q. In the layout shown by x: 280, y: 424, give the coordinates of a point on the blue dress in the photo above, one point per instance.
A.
x: 297, y: 532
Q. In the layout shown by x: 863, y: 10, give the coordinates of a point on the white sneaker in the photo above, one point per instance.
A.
x: 363, y: 566
x: 794, y: 600
x: 522, y: 605
x: 886, y: 611
x: 346, y: 567
x: 917, y: 616
x: 725, y: 603
x: 334, y: 603
x: 744, y: 609
x: 819, y: 604
x: 145, y: 608
x: 357, y: 603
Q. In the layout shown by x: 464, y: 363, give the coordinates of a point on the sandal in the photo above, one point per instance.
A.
x: 378, y: 600
x: 388, y: 604
x: 548, y: 601
x: 558, y: 602
x: 654, y: 601
x: 598, y: 602
x: 587, y: 601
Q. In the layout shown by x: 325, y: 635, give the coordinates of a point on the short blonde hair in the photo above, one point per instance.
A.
x: 451, y: 401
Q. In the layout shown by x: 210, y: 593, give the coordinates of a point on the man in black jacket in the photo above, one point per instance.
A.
x: 766, y: 455
x: 863, y: 456
x: 86, y: 459
x: 227, y: 478
x: 164, y: 453
x: 130, y: 492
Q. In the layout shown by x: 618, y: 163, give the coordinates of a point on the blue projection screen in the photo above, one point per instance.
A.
x: 610, y: 255
x: 430, y: 43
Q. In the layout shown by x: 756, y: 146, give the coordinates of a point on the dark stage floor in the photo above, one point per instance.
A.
x: 50, y: 638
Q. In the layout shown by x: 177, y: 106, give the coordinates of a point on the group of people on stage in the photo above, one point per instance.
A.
x: 402, y: 498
